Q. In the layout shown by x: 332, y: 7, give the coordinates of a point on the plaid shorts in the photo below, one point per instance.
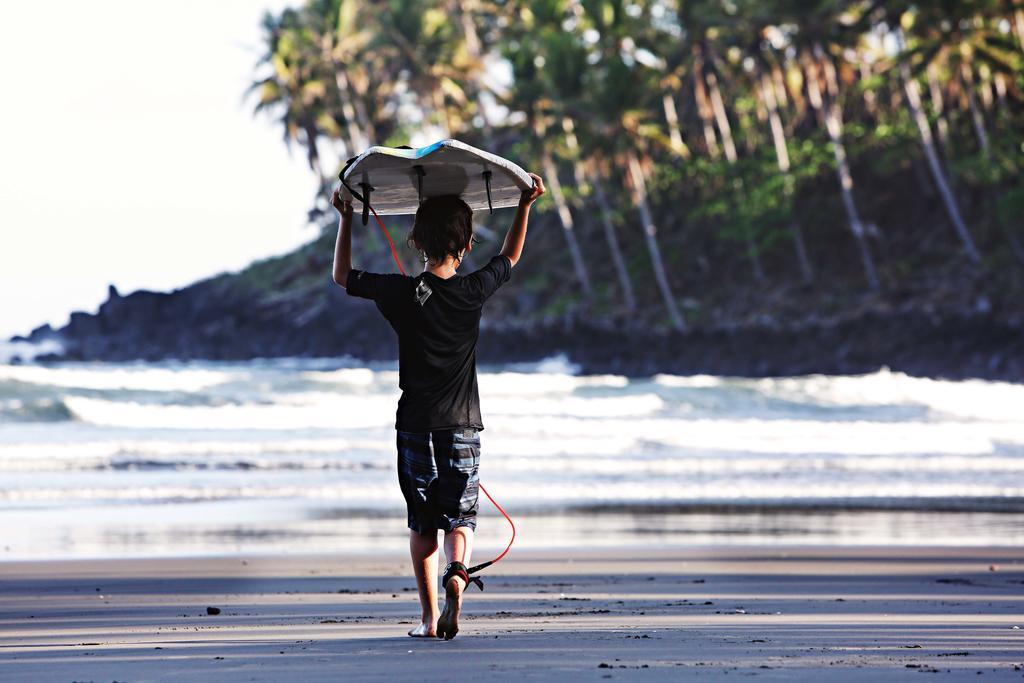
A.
x: 439, y: 476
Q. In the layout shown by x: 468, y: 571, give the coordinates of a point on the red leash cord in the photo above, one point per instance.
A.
x: 478, y: 567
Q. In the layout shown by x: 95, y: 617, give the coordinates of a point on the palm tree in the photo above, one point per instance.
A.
x: 423, y: 45
x: 592, y: 181
x: 936, y: 41
x: 469, y: 12
x: 547, y: 67
x: 597, y: 181
x: 924, y: 130
x: 814, y: 63
x: 639, y: 190
x: 767, y: 91
x: 562, y: 206
x: 295, y: 89
x: 614, y: 93
x: 344, y: 38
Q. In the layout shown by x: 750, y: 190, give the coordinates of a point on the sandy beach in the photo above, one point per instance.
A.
x: 845, y: 613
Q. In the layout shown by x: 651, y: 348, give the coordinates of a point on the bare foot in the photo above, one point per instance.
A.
x: 424, y: 631
x: 448, y: 624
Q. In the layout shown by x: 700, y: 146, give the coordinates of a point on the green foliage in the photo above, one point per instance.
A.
x: 592, y: 81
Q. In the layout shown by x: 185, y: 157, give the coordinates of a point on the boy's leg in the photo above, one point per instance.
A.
x: 457, y: 458
x: 416, y: 477
x: 423, y: 549
x: 458, y: 546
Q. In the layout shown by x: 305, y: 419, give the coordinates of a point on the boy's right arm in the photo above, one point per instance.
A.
x: 512, y: 249
x: 343, y: 244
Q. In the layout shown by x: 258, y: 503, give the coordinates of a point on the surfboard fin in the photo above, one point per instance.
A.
x: 487, y: 184
x: 367, y: 189
x: 419, y: 182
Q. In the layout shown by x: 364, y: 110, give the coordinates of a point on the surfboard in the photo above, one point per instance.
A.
x: 396, y: 179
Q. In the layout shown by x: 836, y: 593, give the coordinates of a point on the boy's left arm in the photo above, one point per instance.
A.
x: 343, y: 244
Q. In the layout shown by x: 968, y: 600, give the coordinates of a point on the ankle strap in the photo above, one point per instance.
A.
x: 458, y: 569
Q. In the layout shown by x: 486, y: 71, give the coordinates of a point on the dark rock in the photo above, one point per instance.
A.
x: 238, y: 317
x: 213, y: 610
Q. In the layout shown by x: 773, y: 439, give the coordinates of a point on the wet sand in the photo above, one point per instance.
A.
x: 768, y: 613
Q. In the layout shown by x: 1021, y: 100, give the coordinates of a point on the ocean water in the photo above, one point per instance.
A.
x: 298, y: 455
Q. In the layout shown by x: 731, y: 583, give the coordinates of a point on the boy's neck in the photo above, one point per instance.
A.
x: 442, y: 269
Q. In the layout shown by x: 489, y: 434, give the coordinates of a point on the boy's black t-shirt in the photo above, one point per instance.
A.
x: 438, y: 323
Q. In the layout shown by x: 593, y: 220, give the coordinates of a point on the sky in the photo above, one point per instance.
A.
x: 129, y: 155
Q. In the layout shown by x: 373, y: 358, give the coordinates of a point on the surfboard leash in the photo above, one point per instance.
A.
x: 394, y: 253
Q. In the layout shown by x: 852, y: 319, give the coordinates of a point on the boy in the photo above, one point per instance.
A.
x: 437, y: 318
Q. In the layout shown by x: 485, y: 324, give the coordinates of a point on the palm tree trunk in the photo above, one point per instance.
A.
x: 977, y: 119
x: 779, y: 81
x: 985, y: 86
x: 565, y: 217
x: 356, y: 139
x: 582, y: 182
x: 782, y: 158
x: 613, y: 242
x: 924, y: 130
x: 1000, y: 82
x: 668, y: 103
x: 725, y: 130
x: 935, y: 92
x: 579, y: 174
x: 775, y: 122
x: 636, y: 175
x: 1018, y: 26
x: 718, y: 107
x: 475, y: 52
x: 704, y: 111
x: 355, y: 135
x: 814, y: 90
x: 870, y: 104
x: 437, y: 95
x: 829, y: 69
x: 834, y: 127
x: 361, y: 116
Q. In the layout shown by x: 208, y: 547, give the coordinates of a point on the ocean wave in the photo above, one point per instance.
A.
x: 33, y: 410
x: 362, y: 496
x: 330, y: 411
x: 852, y: 438
x: 360, y: 377
x: 103, y: 376
x: 965, y: 399
x: 28, y: 351
x: 689, y: 381
x: 576, y: 406
x: 382, y: 494
x: 80, y: 454
x: 531, y: 384
x: 915, y: 467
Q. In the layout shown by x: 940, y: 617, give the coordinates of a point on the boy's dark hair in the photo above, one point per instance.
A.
x: 443, y: 226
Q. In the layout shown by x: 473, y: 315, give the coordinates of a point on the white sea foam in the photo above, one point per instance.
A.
x: 973, y: 399
x: 688, y: 382
x: 775, y: 436
x: 810, y: 468
x: 970, y: 399
x: 359, y: 377
x: 332, y: 412
x: 108, y: 377
x: 318, y: 437
x: 532, y: 384
x: 361, y: 496
x: 554, y: 365
x: 576, y: 406
x: 49, y: 456
x: 28, y: 351
x: 384, y: 495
